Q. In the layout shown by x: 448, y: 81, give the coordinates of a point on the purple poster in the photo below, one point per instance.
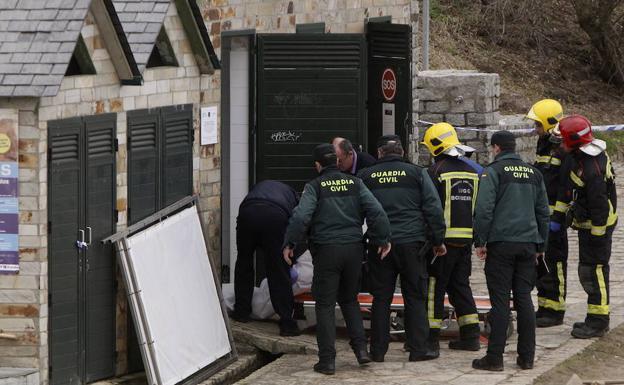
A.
x: 9, y: 207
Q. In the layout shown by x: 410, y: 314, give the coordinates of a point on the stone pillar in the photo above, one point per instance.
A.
x: 463, y: 99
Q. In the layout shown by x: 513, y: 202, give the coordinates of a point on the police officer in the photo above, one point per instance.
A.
x: 550, y: 160
x: 332, y: 210
x: 407, y: 194
x: 592, y: 206
x: 261, y: 224
x: 457, y: 183
x: 510, y: 231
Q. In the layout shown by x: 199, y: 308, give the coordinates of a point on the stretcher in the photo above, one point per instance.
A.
x: 397, y: 306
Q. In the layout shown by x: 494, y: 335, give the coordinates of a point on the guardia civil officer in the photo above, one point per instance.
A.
x: 457, y: 183
x: 407, y: 194
x: 592, y: 207
x: 551, y: 160
x: 331, y: 212
x: 510, y: 232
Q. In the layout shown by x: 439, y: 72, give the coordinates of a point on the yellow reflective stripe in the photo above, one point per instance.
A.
x: 447, y: 204
x: 604, y: 301
x: 548, y: 159
x: 551, y: 208
x: 474, y: 194
x: 598, y: 309
x: 576, y: 179
x: 459, y: 232
x: 435, y: 323
x: 609, y: 168
x: 561, y: 284
x: 431, y: 303
x: 459, y: 174
x: 468, y: 319
x: 562, y: 206
x: 598, y: 230
x: 550, y: 304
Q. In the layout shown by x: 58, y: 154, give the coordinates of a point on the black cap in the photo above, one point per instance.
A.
x: 383, y: 140
x: 322, y: 151
x: 504, y: 139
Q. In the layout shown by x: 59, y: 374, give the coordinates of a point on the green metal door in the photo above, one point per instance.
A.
x: 81, y: 206
x: 311, y: 88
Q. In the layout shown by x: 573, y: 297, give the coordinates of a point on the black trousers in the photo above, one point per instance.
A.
x: 403, y: 260
x: 337, y: 274
x: 552, y: 284
x: 451, y: 274
x: 511, y: 266
x: 594, y: 256
x: 262, y: 226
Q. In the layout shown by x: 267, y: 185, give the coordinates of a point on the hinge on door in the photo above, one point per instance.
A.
x: 49, y: 153
x: 49, y: 299
x: 49, y: 227
x: 116, y: 215
x: 116, y: 145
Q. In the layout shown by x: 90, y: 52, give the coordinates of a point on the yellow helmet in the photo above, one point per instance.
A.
x: 547, y: 112
x: 439, y: 138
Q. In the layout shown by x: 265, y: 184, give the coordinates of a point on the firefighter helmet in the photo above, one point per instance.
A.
x: 439, y: 138
x: 576, y: 131
x: 547, y: 112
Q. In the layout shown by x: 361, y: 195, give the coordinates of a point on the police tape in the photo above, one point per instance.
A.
x: 614, y: 127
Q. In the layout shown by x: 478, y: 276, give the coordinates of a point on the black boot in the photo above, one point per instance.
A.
x: 546, y: 321
x: 289, y: 330
x: 488, y: 363
x: 429, y: 355
x: 325, y: 367
x: 362, y: 356
x: 433, y: 342
x: 471, y: 344
x: 524, y: 364
x: 586, y: 331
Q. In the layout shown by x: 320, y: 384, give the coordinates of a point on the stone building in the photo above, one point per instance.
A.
x: 99, y: 107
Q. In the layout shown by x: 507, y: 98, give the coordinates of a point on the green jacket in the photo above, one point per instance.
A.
x: 409, y: 197
x: 332, y: 210
x: 512, y: 205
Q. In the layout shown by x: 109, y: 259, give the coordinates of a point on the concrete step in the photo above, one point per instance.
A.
x: 19, y: 376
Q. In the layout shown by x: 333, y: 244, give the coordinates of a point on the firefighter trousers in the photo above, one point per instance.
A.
x: 451, y: 274
x: 552, y: 282
x: 594, y: 255
x: 404, y: 260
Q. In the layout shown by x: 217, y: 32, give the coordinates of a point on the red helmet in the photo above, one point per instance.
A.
x: 576, y: 131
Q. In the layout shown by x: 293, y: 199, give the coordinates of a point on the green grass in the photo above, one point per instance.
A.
x: 615, y: 141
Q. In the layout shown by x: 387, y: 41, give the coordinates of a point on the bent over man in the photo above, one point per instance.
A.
x: 332, y: 210
x: 551, y: 161
x: 406, y: 193
x: 593, y: 212
x: 511, y: 230
x: 457, y: 183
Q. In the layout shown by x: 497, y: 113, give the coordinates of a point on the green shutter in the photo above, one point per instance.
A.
x: 177, y: 153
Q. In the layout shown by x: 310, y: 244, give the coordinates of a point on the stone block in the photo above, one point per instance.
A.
x: 482, y: 119
x: 72, y: 96
x: 462, y: 105
x: 431, y: 118
x: 455, y: 119
x: 431, y: 93
x: 12, y: 296
x: 159, y: 100
x: 437, y: 107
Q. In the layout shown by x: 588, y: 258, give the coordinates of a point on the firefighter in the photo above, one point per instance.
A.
x: 550, y: 160
x: 407, y: 194
x: 510, y: 232
x: 456, y: 182
x: 592, y: 208
x: 332, y: 210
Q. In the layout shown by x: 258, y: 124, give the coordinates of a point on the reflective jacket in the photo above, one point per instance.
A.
x: 512, y: 205
x: 457, y: 183
x: 332, y: 210
x: 409, y: 197
x: 550, y: 159
x: 593, y: 199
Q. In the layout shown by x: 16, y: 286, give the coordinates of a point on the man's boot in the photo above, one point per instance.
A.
x: 362, y: 356
x: 548, y: 319
x: 488, y: 362
x: 325, y: 367
x: 585, y: 331
x: 433, y: 342
x: 470, y: 344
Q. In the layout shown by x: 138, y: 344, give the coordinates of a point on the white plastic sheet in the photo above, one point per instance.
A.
x: 178, y: 296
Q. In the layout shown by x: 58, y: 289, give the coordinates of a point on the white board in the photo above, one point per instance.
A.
x: 178, y: 297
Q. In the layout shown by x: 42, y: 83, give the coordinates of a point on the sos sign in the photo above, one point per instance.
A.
x: 388, y: 84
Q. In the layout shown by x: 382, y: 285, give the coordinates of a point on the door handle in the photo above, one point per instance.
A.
x: 90, y: 234
x: 82, y: 235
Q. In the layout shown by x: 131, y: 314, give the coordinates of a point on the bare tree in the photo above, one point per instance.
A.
x: 602, y: 21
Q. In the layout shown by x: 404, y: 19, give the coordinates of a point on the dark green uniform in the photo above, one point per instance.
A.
x: 511, y: 218
x: 407, y: 194
x: 330, y: 214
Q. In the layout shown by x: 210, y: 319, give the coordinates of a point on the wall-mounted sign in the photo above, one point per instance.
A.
x: 209, y: 128
x: 9, y: 206
x: 387, y: 119
x: 388, y: 84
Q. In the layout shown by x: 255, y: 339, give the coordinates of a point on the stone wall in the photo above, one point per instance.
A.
x: 468, y: 99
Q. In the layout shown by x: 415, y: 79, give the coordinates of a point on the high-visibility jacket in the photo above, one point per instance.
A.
x: 550, y: 160
x: 593, y: 198
x: 457, y: 184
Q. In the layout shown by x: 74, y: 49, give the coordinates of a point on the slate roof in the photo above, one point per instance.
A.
x: 141, y: 21
x: 37, y: 39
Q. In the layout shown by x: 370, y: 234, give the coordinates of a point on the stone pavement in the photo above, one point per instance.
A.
x: 554, y: 345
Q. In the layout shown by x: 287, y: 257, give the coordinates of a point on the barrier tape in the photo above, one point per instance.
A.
x: 614, y: 127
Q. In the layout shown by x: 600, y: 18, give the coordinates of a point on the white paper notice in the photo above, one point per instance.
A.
x: 209, y: 125
x: 387, y: 122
